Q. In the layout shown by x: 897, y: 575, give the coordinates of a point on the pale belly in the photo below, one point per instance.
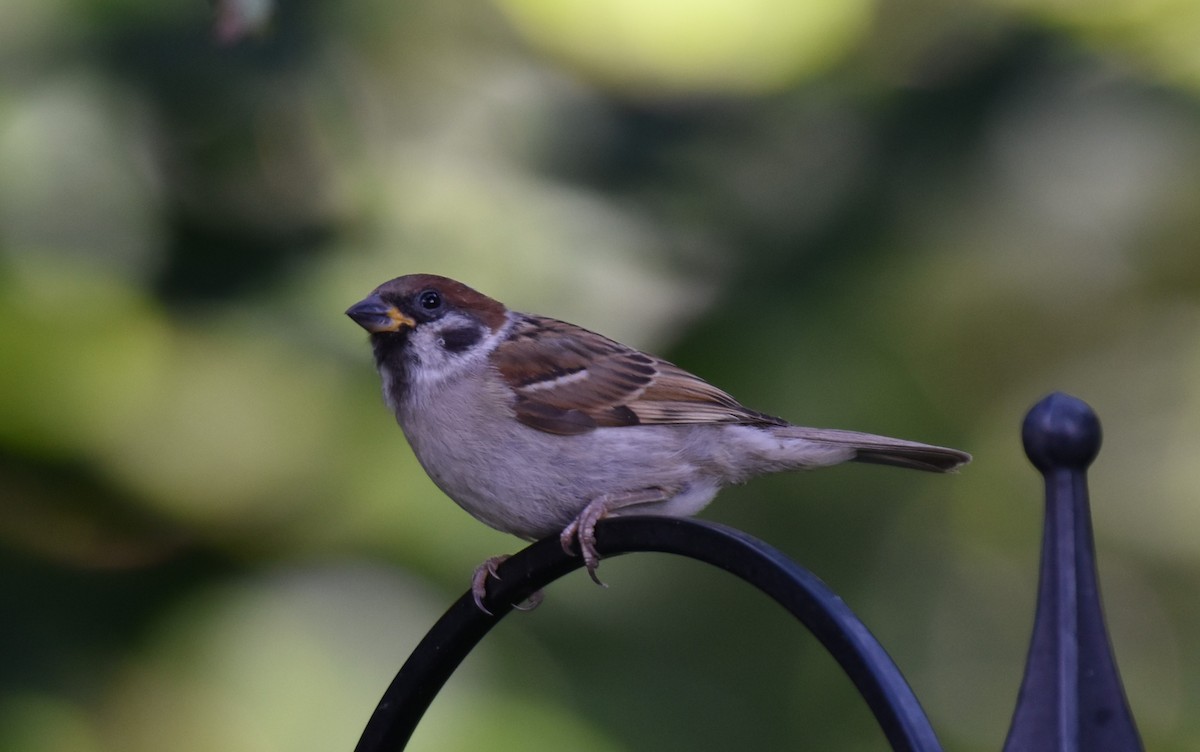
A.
x: 532, y: 484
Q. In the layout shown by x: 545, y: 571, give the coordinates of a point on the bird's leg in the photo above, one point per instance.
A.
x: 583, y: 527
x: 479, y: 585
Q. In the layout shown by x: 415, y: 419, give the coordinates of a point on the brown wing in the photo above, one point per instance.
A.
x: 569, y: 380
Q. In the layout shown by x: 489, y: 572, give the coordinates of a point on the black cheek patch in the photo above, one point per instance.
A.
x: 457, y: 340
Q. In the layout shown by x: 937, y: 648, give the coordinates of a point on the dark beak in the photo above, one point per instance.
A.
x: 376, y: 316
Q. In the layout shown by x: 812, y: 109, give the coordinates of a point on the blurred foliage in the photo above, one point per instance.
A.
x: 908, y: 218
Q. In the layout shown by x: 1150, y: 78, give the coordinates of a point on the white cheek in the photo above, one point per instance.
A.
x: 437, y: 365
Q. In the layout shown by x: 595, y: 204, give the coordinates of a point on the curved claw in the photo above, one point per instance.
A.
x: 479, y: 586
x: 533, y: 601
x: 583, y: 528
x: 479, y: 580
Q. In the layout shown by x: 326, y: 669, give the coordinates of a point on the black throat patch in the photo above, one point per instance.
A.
x: 392, y: 355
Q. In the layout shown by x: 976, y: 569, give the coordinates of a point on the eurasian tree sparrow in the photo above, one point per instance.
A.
x: 535, y: 426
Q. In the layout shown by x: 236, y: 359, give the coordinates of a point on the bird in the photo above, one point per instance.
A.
x: 538, y: 427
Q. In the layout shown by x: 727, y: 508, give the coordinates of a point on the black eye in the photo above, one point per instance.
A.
x: 430, y: 300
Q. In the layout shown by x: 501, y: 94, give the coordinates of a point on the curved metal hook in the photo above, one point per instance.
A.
x: 795, y: 588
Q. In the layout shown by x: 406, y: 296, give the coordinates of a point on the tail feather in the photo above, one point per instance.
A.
x: 883, y: 450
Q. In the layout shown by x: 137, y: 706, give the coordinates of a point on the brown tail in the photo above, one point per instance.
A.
x: 882, y: 450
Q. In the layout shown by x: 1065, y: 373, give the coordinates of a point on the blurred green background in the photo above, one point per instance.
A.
x: 908, y: 218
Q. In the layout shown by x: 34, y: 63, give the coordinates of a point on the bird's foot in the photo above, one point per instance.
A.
x: 582, y: 529
x: 480, y: 577
x: 479, y: 586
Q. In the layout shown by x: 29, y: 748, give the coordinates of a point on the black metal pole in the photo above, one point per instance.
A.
x: 1071, y: 698
x: 799, y: 591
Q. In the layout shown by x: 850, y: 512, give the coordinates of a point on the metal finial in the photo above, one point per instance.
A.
x: 1071, y: 699
x: 1061, y: 431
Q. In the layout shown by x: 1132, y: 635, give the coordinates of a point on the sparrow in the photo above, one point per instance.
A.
x: 538, y: 427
